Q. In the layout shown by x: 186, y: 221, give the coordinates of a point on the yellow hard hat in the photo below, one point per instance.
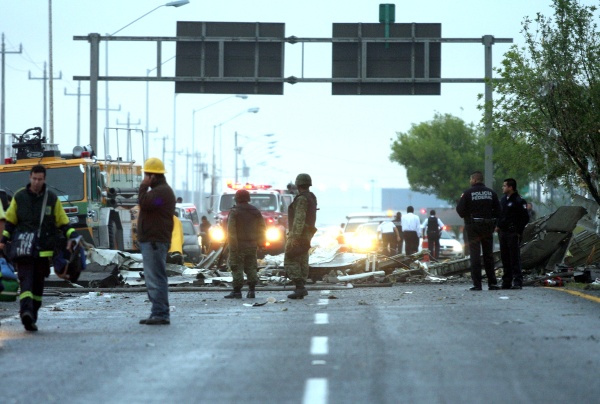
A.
x: 154, y: 166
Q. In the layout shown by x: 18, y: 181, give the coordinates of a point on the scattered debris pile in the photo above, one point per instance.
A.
x: 564, y: 245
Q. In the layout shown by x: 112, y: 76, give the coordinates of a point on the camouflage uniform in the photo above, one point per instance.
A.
x: 245, y: 230
x: 302, y: 215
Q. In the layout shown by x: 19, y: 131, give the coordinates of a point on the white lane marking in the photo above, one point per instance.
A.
x: 316, y: 391
x: 319, y: 346
x: 323, y: 302
x: 325, y: 292
x: 321, y: 318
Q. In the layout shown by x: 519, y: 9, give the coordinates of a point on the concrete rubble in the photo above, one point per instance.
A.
x: 563, y: 244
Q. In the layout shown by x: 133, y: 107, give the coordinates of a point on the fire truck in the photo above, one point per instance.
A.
x: 273, y: 205
x: 98, y: 196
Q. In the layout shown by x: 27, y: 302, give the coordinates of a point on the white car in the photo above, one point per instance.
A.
x: 450, y: 247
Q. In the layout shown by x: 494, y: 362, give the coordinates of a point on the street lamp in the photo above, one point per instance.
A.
x: 214, y: 164
x: 238, y: 150
x: 177, y: 3
x: 200, y: 186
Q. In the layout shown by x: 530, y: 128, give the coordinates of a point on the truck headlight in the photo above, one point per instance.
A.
x: 217, y: 234
x: 273, y: 234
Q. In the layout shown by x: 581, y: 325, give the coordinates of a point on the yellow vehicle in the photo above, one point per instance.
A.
x: 99, y: 196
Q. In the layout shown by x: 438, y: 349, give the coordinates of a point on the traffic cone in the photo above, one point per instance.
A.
x: 425, y: 246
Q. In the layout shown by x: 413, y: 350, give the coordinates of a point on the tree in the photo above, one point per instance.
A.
x: 548, y: 94
x: 439, y: 156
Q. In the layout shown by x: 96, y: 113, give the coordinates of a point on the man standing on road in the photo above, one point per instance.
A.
x: 389, y: 236
x: 480, y: 208
x: 245, y: 232
x: 23, y: 215
x: 204, y: 227
x: 432, y: 228
x: 398, y: 223
x: 411, y: 225
x: 513, y: 219
x: 154, y: 229
x: 302, y: 216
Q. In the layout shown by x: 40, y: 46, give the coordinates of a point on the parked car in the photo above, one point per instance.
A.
x: 353, y: 220
x: 192, y: 243
x: 365, y: 238
x: 450, y: 247
x: 188, y: 211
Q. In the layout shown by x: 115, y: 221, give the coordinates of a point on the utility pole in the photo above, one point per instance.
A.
x: 128, y: 126
x: 45, y: 78
x: 79, y: 95
x: 2, y: 103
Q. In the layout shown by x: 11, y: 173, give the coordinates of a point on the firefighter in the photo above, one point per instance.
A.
x: 24, y: 214
x: 245, y: 231
x: 302, y: 215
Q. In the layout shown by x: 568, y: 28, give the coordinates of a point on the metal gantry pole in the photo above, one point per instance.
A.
x: 488, y: 41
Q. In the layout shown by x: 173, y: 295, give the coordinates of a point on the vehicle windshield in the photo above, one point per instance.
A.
x: 264, y: 202
x: 65, y: 182
x: 188, y: 227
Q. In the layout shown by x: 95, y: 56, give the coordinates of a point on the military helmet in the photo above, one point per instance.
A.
x: 303, y: 180
x: 154, y: 166
x: 241, y: 195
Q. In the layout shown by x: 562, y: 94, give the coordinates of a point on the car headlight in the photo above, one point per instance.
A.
x: 273, y: 234
x: 457, y: 248
x: 217, y: 234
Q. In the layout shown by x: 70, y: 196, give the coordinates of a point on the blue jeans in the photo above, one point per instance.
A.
x: 155, y: 275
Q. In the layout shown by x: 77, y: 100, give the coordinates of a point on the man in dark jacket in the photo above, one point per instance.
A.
x: 154, y: 229
x: 302, y: 216
x: 23, y: 215
x: 480, y: 208
x: 513, y: 219
x: 245, y: 232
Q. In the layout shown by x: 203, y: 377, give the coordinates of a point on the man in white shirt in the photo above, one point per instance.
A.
x: 389, y: 236
x: 411, y: 226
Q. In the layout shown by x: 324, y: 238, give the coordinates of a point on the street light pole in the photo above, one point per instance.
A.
x: 94, y: 100
x: 214, y: 163
x: 201, y: 183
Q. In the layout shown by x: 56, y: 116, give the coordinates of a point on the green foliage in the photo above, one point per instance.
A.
x: 439, y: 156
x: 548, y: 95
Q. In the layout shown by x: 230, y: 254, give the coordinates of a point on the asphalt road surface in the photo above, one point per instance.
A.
x: 409, y: 343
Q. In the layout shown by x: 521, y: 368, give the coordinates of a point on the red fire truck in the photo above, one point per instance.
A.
x: 272, y: 203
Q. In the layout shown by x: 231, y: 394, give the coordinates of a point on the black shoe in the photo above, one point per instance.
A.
x: 234, y: 295
x: 298, y: 294
x: 494, y: 287
x: 517, y: 287
x: 475, y: 288
x: 155, y: 321
x: 28, y: 323
x: 250, y: 294
x: 506, y: 287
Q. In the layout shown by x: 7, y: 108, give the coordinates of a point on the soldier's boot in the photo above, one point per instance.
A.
x: 235, y: 294
x: 299, y: 292
x: 251, y: 290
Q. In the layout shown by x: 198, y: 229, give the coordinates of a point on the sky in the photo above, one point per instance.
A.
x: 343, y: 142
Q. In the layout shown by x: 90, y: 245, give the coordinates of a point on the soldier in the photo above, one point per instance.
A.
x: 512, y: 222
x: 245, y: 232
x: 302, y: 215
x: 480, y: 208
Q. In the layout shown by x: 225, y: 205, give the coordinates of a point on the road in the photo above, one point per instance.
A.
x: 409, y: 343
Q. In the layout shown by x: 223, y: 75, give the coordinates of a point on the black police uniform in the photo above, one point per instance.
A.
x: 513, y: 219
x: 479, y: 207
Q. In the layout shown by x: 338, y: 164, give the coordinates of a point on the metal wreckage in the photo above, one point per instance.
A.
x: 564, y: 245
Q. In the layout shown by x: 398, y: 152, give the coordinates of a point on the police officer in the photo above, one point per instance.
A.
x: 302, y: 215
x: 245, y: 232
x: 480, y: 208
x: 513, y: 219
